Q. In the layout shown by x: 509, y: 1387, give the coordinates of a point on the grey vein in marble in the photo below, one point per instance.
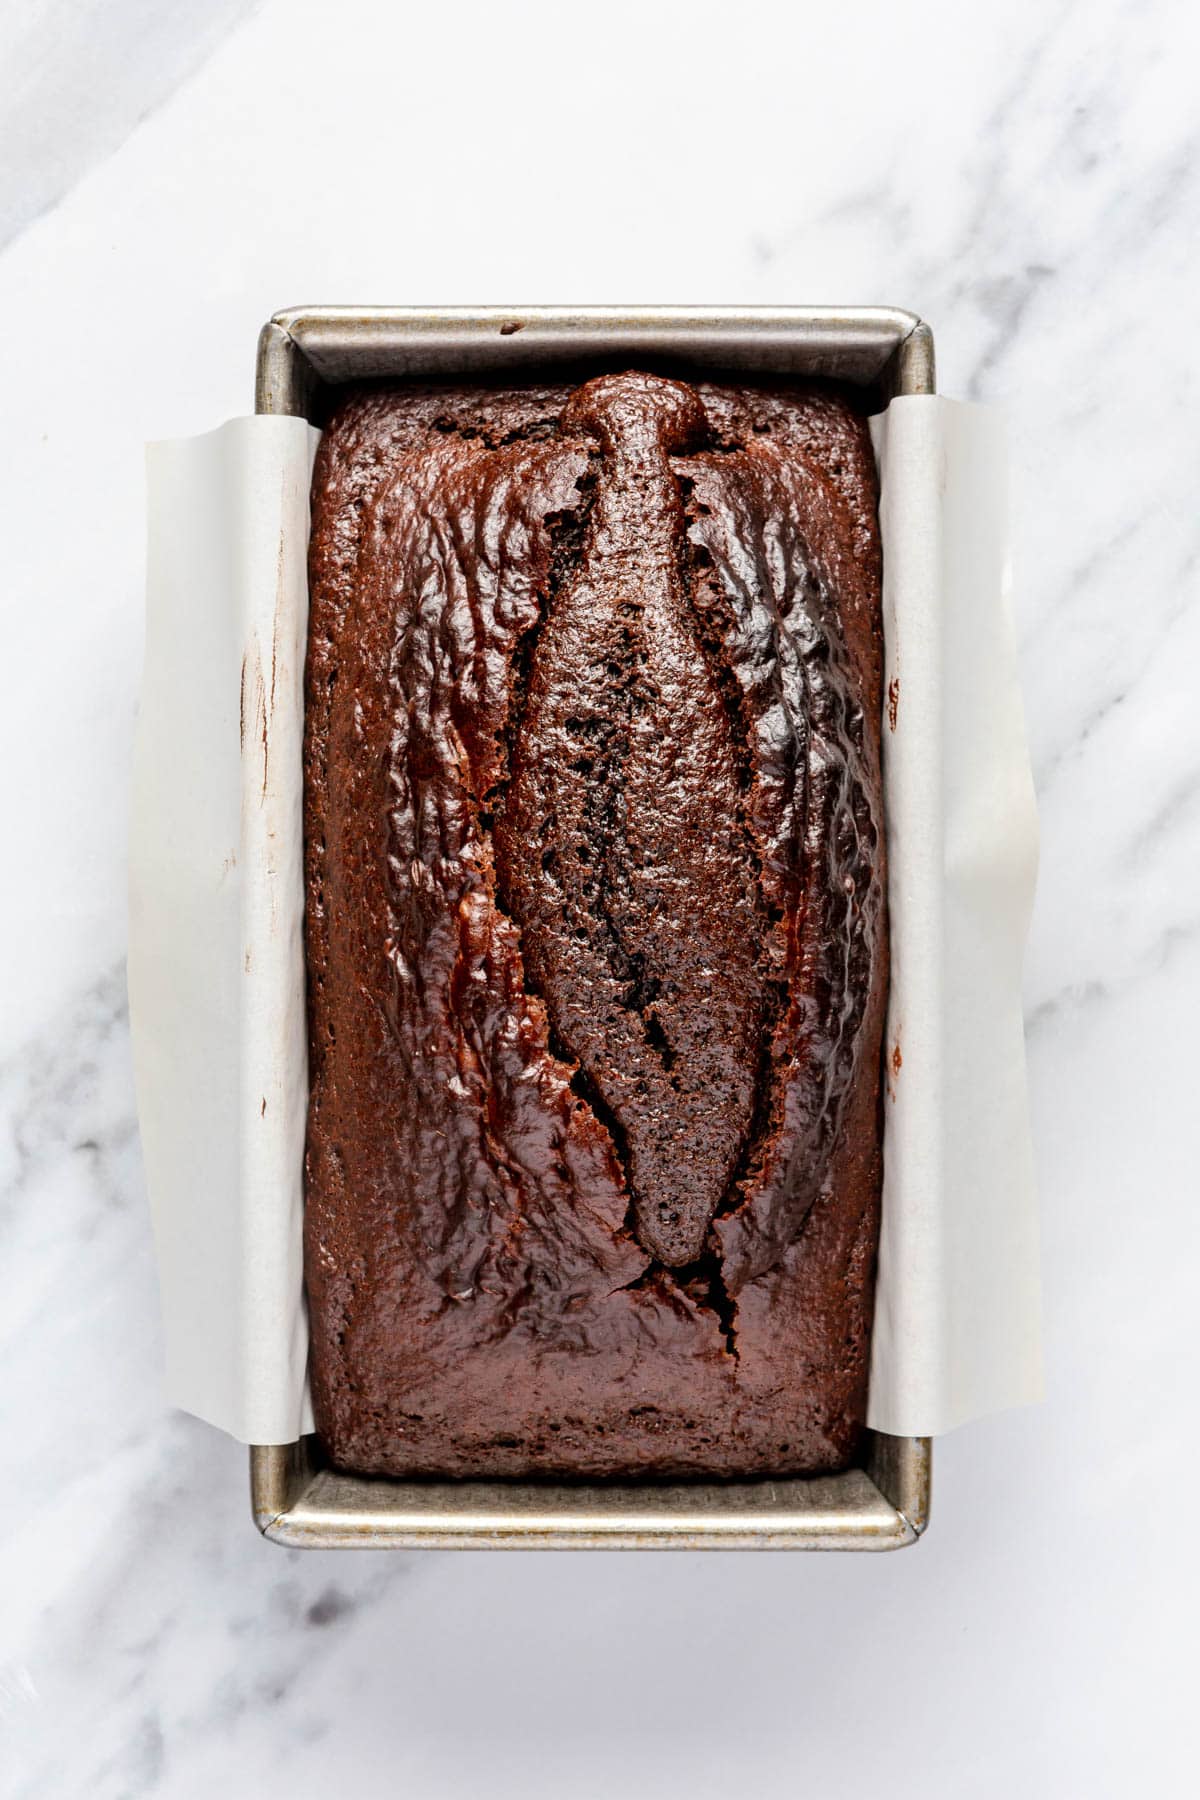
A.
x: 79, y: 76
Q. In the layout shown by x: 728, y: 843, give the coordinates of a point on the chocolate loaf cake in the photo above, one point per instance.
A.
x: 596, y: 929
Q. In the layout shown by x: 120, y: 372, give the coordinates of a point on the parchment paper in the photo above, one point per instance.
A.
x: 216, y: 966
x: 957, y: 1315
x: 216, y: 957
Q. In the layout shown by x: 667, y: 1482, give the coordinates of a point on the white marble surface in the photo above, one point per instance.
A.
x: 1025, y: 175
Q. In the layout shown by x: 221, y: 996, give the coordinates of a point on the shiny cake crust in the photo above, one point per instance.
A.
x: 596, y: 930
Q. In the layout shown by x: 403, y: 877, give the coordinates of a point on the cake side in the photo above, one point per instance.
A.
x: 596, y: 936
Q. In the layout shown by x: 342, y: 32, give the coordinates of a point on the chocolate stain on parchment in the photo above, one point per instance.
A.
x: 253, y: 677
x: 892, y: 1067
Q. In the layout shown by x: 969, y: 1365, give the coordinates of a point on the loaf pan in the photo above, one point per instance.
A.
x: 883, y: 1504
